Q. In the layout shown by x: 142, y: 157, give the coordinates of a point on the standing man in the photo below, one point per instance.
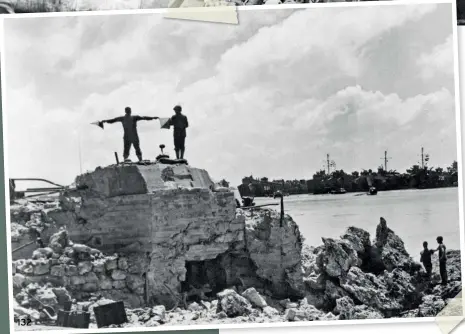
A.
x: 131, y: 136
x: 180, y: 124
x: 442, y: 260
x: 426, y: 258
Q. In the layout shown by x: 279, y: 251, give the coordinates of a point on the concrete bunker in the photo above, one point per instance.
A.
x: 171, y: 238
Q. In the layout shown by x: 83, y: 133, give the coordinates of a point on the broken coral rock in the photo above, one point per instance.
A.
x: 233, y: 304
x: 41, y: 266
x: 369, y: 289
x: 254, y: 297
x: 333, y: 291
x: 270, y: 312
x: 392, y: 250
x: 431, y: 305
x: 305, y: 312
x: 19, y: 281
x: 358, y: 238
x: 59, y: 241
x: 401, y: 287
x: 347, y: 310
x: 337, y: 257
x: 274, y: 249
x: 42, y: 253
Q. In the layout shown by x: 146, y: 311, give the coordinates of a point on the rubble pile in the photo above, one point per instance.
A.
x: 355, y: 278
x: 331, y: 277
x: 176, y: 250
x: 82, y: 270
x: 29, y: 220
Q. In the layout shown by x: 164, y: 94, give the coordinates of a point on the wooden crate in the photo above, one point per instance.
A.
x: 110, y: 314
x: 73, y: 319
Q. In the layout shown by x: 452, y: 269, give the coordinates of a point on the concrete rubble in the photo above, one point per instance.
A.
x: 175, y: 249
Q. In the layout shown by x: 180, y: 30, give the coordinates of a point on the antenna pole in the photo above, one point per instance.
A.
x: 386, y: 159
x: 80, y: 154
x: 327, y: 162
x: 422, y: 159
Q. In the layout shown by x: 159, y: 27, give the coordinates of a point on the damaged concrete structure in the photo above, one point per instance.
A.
x: 158, y: 236
x: 179, y: 235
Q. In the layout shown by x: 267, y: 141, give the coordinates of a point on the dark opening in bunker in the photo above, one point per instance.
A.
x: 204, y: 279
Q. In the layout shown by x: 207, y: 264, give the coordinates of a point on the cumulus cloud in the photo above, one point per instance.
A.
x: 440, y: 60
x: 271, y: 96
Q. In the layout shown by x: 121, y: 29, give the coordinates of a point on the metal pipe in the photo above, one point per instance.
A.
x: 38, y: 190
x: 146, y: 289
x: 116, y: 157
x: 21, y: 247
x: 34, y: 179
x: 258, y: 206
x: 44, y: 194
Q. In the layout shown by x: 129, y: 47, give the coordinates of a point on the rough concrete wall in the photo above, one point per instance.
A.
x: 171, y: 225
x: 187, y: 217
x: 114, y: 181
x: 125, y: 180
x: 189, y: 225
x: 110, y: 224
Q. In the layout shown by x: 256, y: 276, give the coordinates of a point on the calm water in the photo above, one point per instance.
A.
x: 415, y: 215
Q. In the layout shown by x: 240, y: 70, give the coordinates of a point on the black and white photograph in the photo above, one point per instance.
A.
x: 54, y: 6
x: 301, y: 167
x: 51, y: 6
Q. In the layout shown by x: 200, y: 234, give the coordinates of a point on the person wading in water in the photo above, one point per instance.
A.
x: 442, y: 260
x: 426, y: 258
x: 131, y: 136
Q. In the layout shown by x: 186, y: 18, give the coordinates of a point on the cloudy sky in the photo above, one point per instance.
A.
x: 270, y: 96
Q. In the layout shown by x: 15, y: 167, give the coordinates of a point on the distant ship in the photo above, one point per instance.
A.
x: 372, y: 191
x: 338, y: 191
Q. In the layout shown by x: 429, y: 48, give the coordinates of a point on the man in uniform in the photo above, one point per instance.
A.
x: 180, y: 124
x: 131, y: 137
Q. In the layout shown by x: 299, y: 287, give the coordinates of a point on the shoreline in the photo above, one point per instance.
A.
x: 363, y: 192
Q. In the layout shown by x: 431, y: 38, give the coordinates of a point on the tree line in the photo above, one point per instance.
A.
x: 415, y: 177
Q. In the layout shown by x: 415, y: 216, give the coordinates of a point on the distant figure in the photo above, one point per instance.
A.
x: 442, y: 260
x: 12, y: 190
x: 180, y: 124
x: 34, y: 233
x: 426, y: 258
x: 381, y: 232
x: 130, y: 131
x: 40, y: 243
